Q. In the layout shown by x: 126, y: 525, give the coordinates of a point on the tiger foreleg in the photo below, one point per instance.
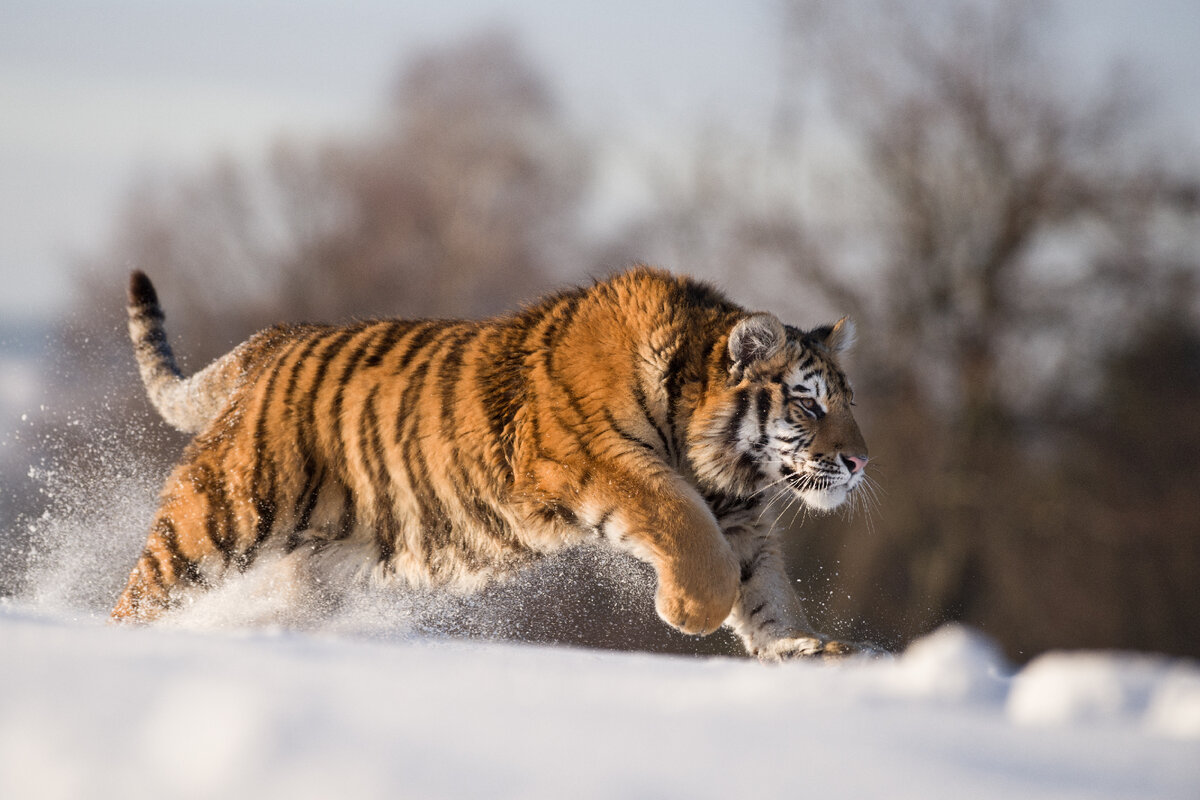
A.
x: 668, y: 525
x: 697, y: 582
x: 768, y: 616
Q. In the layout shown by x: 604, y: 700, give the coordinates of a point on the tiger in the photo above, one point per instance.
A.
x: 645, y: 412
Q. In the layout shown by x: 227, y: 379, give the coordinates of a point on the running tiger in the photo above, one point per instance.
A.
x: 647, y: 412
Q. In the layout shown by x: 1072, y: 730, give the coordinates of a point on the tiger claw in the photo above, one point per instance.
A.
x: 836, y: 651
x: 807, y: 647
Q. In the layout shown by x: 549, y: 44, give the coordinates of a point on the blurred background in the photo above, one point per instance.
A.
x: 1005, y: 195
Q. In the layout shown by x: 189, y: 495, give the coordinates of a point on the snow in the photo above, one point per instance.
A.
x: 253, y: 692
x: 93, y: 710
x: 1091, y: 688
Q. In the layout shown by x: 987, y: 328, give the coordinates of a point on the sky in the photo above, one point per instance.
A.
x: 94, y: 94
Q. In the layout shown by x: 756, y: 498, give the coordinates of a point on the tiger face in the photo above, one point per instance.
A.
x: 813, y: 443
x: 788, y: 424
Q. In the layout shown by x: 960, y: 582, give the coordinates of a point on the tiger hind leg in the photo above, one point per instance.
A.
x: 159, y: 571
x: 194, y: 538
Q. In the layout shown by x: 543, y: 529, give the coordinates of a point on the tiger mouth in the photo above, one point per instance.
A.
x: 805, y: 482
x: 795, y: 480
x: 820, y: 493
x: 819, y: 490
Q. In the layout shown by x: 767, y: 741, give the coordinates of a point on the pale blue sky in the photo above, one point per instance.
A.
x: 93, y: 92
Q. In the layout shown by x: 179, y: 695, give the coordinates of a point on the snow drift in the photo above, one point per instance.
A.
x: 91, y: 710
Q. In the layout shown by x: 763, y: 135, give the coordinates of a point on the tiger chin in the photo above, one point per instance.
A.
x: 646, y: 413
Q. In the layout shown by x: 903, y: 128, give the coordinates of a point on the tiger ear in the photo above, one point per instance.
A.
x: 837, y: 338
x: 756, y: 337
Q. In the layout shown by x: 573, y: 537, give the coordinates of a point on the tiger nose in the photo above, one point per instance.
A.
x: 854, y: 463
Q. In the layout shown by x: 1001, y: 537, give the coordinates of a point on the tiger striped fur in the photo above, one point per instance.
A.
x: 646, y: 411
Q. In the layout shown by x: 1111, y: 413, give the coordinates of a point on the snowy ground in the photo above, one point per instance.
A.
x: 93, y: 711
x: 238, y: 695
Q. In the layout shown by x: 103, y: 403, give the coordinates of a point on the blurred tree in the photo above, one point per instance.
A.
x: 1129, y: 481
x: 460, y: 205
x: 1014, y: 222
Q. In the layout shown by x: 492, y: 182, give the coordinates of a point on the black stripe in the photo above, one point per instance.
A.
x: 407, y: 414
x: 151, y: 560
x: 749, y: 466
x: 348, y: 519
x: 356, y: 358
x: 503, y: 380
x: 501, y: 391
x: 264, y: 466
x: 451, y: 370
x: 721, y: 502
x: 534, y: 430
x: 331, y: 351
x: 416, y: 343
x: 219, y: 517
x: 472, y: 502
x: 306, y: 502
x: 555, y: 510
x: 626, y: 435
x: 763, y: 404
x: 268, y: 507
x: 714, y: 358
x: 578, y: 428
x: 602, y: 523
x: 675, y: 376
x: 298, y: 365
x: 749, y: 567
x: 307, y: 437
x: 434, y: 523
x: 369, y: 445
x: 734, y: 425
x: 373, y: 457
x: 564, y: 314
x: 486, y: 516
x: 639, y: 396
x: 395, y: 332
x: 469, y: 494
x: 183, y: 568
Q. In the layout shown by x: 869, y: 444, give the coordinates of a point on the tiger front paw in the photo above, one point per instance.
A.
x: 813, y: 647
x: 697, y: 601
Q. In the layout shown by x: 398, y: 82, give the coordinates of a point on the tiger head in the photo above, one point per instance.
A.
x: 780, y: 417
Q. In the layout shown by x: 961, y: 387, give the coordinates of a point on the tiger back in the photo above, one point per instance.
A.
x: 646, y: 412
